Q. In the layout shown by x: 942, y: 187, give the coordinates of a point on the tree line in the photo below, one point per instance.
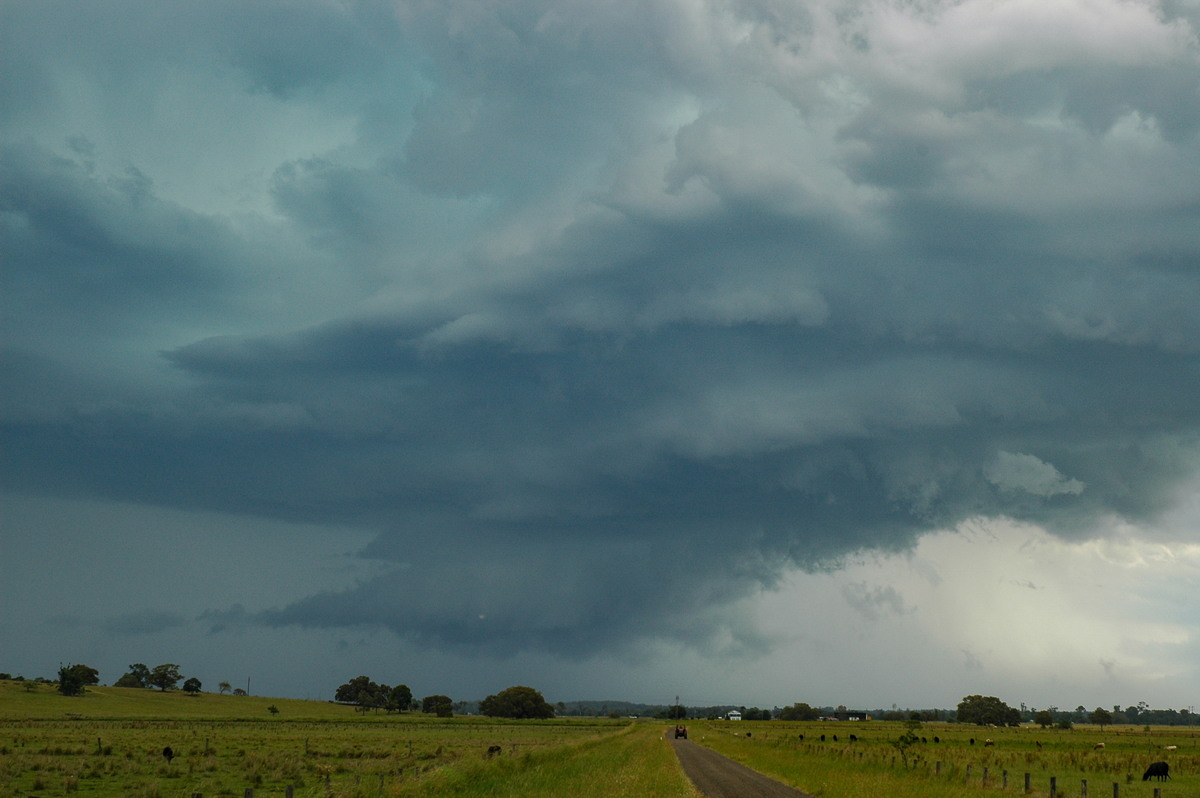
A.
x: 514, y: 702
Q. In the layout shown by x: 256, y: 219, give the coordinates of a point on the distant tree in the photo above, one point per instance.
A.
x: 239, y: 691
x: 192, y: 686
x: 72, y: 679
x: 1101, y: 717
x: 224, y: 687
x: 440, y: 705
x: 141, y: 673
x: 1043, y: 718
x: 516, y: 702
x: 799, y: 711
x: 987, y: 710
x: 676, y: 712
x: 128, y: 680
x: 363, y: 693
x: 165, y: 676
x: 399, y: 699
x: 274, y: 710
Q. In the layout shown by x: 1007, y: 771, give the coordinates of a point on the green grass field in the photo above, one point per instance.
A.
x: 954, y: 767
x: 109, y: 742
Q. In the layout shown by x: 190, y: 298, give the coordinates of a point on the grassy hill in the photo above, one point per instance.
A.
x: 43, y: 702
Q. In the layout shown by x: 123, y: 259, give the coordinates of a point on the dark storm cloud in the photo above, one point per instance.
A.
x: 142, y: 623
x: 603, y: 327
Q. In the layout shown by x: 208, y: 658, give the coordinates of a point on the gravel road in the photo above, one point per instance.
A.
x: 720, y: 777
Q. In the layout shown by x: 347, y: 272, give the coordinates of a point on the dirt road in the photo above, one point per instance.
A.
x: 720, y: 777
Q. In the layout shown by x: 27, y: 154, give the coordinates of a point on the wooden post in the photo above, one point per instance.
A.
x: 1116, y: 790
x: 249, y: 792
x: 985, y: 775
x: 1027, y: 787
x: 1004, y: 779
x: 1158, y: 792
x: 1083, y: 789
x: 937, y: 768
x: 289, y: 792
x: 1053, y: 787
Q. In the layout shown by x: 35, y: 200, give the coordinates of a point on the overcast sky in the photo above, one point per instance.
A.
x: 750, y: 351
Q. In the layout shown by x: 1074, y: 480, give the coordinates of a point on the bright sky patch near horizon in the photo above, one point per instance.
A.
x: 750, y: 352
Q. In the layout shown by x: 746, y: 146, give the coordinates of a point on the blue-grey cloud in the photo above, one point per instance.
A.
x: 142, y: 623
x: 600, y: 326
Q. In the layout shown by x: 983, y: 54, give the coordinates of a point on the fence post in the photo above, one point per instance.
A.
x: 1027, y: 787
x: 1053, y: 787
x: 1004, y: 779
x: 937, y: 768
x: 985, y: 774
x: 1158, y: 792
x: 1116, y: 790
x: 289, y: 792
x: 249, y: 792
x: 1083, y: 789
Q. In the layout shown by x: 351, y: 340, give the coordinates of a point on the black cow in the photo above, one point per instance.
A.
x: 493, y: 750
x: 168, y: 754
x: 1157, y: 770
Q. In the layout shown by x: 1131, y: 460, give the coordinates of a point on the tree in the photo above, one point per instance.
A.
x: 907, y: 740
x: 1101, y: 717
x: 676, y: 712
x: 516, y: 702
x: 1043, y: 718
x: 224, y: 687
x: 72, y: 679
x: 440, y: 705
x: 138, y: 676
x: 800, y: 711
x: 987, y: 710
x: 165, y: 676
x: 192, y: 686
x: 399, y: 699
x: 362, y: 692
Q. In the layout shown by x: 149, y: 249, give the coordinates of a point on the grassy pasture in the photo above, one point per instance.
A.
x: 872, y: 766
x: 109, y: 742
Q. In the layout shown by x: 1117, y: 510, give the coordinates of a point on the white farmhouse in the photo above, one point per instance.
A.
x: 733, y: 714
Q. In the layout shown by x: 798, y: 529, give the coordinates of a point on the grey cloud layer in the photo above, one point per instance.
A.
x: 601, y: 325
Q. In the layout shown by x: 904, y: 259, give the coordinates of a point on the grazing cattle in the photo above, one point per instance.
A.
x: 1098, y: 747
x: 1038, y: 743
x: 822, y: 738
x: 925, y: 741
x: 168, y: 754
x: 1157, y: 770
x: 801, y: 736
x: 972, y: 741
x: 493, y: 750
x: 988, y: 742
x: 853, y: 738
x: 1171, y: 748
x: 937, y: 739
x: 835, y: 738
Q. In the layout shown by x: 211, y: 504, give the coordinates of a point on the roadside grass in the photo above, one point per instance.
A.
x: 110, y: 742
x: 634, y: 762
x: 954, y: 767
